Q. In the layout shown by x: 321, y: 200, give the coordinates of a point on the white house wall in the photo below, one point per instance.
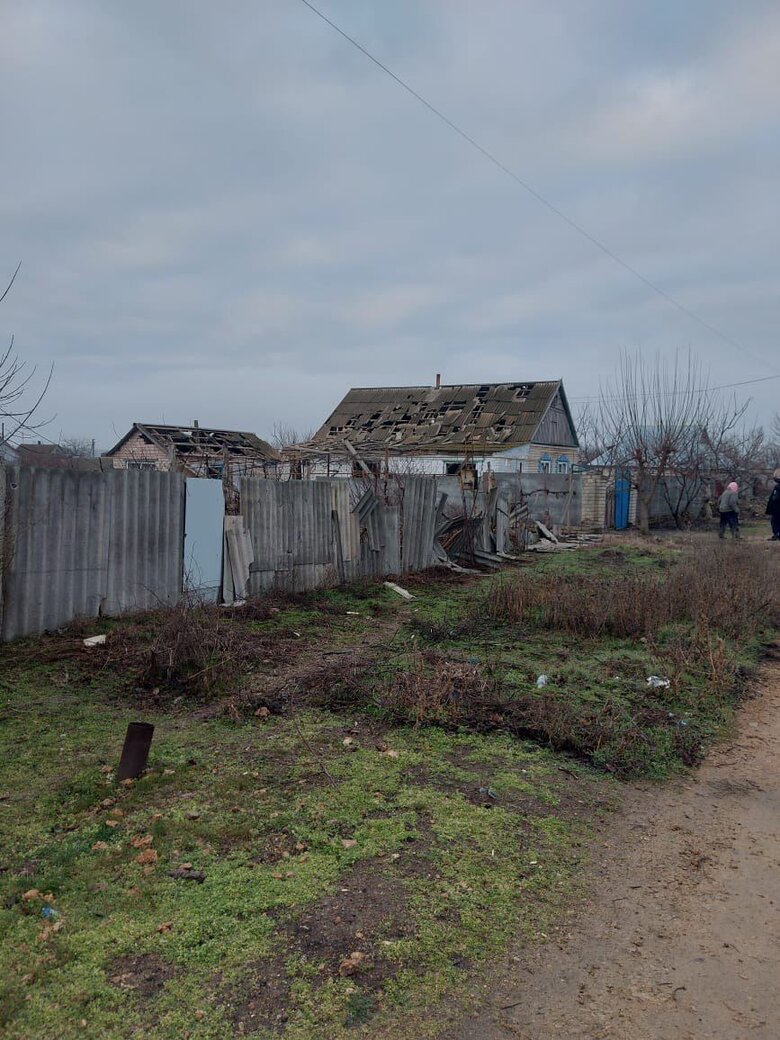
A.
x: 522, y: 459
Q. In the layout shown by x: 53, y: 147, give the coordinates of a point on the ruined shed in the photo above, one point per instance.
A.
x: 196, y: 451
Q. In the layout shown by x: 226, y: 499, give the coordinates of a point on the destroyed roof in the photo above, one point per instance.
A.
x: 488, y: 417
x: 200, y: 442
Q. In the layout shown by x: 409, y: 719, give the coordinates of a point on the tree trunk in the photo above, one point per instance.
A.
x: 644, y: 512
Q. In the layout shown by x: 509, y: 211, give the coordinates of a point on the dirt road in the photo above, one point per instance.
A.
x: 681, y: 940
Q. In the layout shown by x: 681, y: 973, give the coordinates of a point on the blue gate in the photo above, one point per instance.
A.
x: 622, y: 503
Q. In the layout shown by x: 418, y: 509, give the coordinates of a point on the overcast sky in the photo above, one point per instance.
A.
x: 226, y: 212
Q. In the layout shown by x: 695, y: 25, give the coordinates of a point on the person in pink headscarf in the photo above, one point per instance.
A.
x: 728, y: 507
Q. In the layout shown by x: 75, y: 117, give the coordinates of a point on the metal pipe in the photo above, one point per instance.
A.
x: 135, y: 752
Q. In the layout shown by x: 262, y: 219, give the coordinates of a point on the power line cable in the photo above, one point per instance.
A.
x: 533, y: 192
x: 675, y: 393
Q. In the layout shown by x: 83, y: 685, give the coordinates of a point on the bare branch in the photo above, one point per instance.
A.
x: 18, y: 400
x: 660, y: 419
x: 13, y: 279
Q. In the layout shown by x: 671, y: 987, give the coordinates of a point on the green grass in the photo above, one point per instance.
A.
x: 461, y: 838
x: 216, y: 796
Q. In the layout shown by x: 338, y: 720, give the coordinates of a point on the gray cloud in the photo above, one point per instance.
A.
x: 230, y: 214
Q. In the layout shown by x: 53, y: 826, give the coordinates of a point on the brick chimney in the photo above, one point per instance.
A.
x: 438, y: 380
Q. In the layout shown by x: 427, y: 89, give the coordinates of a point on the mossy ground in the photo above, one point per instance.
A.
x: 422, y: 850
x: 249, y: 806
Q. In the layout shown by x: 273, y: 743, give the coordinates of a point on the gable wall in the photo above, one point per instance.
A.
x: 555, y: 428
x: 135, y: 449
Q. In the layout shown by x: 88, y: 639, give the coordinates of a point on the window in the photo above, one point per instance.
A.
x: 562, y: 465
x: 139, y: 464
x: 452, y: 469
x: 545, y: 464
x: 468, y: 476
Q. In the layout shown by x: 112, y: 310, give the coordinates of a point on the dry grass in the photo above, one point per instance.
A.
x: 194, y: 647
x: 433, y: 689
x: 730, y: 589
x: 579, y: 605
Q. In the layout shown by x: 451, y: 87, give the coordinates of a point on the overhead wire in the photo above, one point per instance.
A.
x: 573, y: 224
x: 675, y: 393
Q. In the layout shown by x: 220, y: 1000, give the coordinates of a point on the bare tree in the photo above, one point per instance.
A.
x: 774, y: 446
x: 78, y: 447
x: 742, y: 455
x: 722, y: 448
x: 19, y: 400
x: 589, y: 433
x: 285, y: 436
x: 648, y: 415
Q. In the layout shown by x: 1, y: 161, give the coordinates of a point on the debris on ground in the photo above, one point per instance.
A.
x: 95, y: 640
x: 657, y: 682
x: 403, y: 593
x: 546, y: 533
x: 187, y: 875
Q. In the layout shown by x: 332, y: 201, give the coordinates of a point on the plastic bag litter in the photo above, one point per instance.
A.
x: 657, y: 683
x: 542, y: 681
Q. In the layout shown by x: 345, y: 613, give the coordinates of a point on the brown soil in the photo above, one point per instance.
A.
x: 681, y: 937
x: 145, y: 975
x: 370, y: 905
x: 276, y: 846
x: 260, y: 1001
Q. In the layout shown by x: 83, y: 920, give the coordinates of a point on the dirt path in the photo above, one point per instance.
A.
x: 681, y: 940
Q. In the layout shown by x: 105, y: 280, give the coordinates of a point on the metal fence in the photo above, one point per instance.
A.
x: 81, y: 544
x: 310, y: 533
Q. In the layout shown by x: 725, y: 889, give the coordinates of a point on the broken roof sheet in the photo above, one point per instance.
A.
x: 489, y: 417
x: 202, y: 441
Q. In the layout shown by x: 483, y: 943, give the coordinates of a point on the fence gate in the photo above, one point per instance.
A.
x: 204, y: 519
x: 622, y: 502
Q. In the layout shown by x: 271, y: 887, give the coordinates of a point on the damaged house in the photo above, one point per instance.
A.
x: 196, y: 451
x: 459, y: 429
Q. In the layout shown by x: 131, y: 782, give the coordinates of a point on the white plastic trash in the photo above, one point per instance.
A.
x: 542, y: 681
x: 95, y: 640
x: 657, y: 683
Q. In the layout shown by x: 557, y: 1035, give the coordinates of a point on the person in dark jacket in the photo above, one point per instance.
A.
x: 773, y: 509
x: 728, y: 507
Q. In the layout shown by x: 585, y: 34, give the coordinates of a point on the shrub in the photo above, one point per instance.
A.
x: 433, y: 689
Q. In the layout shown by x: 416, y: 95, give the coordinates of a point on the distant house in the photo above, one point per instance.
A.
x: 49, y: 456
x: 505, y: 427
x: 194, y: 450
x: 8, y: 454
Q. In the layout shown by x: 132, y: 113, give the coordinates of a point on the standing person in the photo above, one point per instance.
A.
x: 773, y: 508
x: 728, y: 507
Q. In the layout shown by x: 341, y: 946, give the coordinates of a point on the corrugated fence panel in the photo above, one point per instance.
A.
x: 78, y: 544
x: 57, y: 559
x: 293, y: 534
x: 348, y: 522
x: 146, y: 540
x: 259, y: 507
x: 392, y: 539
x: 419, y: 522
